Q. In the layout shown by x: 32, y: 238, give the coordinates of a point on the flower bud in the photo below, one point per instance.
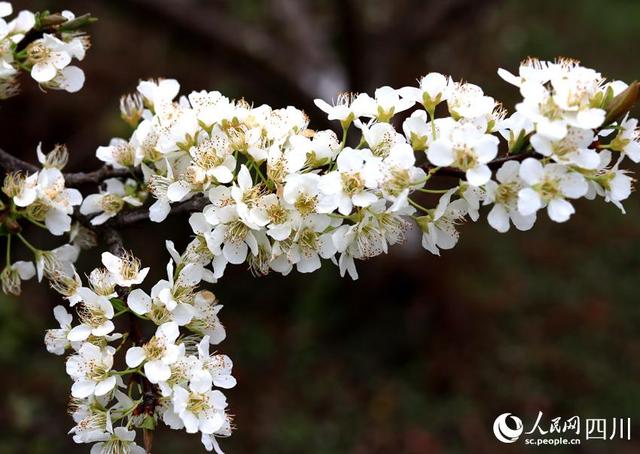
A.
x: 131, y: 108
x: 10, y: 280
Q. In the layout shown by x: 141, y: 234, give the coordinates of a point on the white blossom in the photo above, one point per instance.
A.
x: 549, y: 186
x: 157, y: 354
x: 91, y: 371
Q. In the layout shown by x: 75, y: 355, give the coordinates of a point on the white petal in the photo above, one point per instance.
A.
x: 139, y: 302
x: 105, y: 386
x: 82, y: 389
x: 79, y: 333
x: 43, y: 72
x: 156, y: 371
x: 177, y: 191
x: 57, y: 221
x: 159, y: 211
x: 574, y: 185
x: 111, y: 262
x: 528, y: 201
x: 235, y: 253
x: 26, y: 270
x: 499, y: 218
x: 478, y: 175
x: 440, y: 154
x: 190, y: 422
x: 560, y: 210
x: 531, y: 171
x: 364, y: 199
x: 135, y: 356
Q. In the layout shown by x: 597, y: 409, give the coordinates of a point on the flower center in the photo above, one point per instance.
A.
x: 549, y: 189
x: 198, y: 403
x: 154, y: 349
x: 306, y: 204
x: 352, y: 183
x: 277, y: 214
x: 112, y: 203
x: 38, y: 52
x: 464, y: 157
x: 505, y: 193
x: 236, y: 232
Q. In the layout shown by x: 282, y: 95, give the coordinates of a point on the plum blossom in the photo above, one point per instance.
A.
x: 466, y: 149
x: 56, y: 339
x: 157, y: 354
x: 95, y: 317
x: 549, y: 186
x: 357, y: 174
x: 91, y: 371
x: 199, y: 407
x: 125, y: 270
x: 109, y: 203
x: 503, y: 194
x: 439, y: 226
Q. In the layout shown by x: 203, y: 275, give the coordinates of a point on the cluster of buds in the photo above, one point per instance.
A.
x: 43, y: 44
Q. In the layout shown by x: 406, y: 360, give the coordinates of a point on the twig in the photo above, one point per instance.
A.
x: 97, y: 176
x: 10, y: 163
x: 142, y: 214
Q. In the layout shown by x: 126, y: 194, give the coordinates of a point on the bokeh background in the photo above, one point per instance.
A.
x: 422, y: 353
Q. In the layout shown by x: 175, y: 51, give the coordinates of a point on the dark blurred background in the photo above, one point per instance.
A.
x: 422, y: 353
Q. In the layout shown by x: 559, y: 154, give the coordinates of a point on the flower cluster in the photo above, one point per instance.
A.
x: 267, y: 191
x: 170, y: 377
x: 41, y: 198
x: 283, y: 196
x: 47, y: 58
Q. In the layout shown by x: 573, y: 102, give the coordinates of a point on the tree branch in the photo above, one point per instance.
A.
x: 10, y: 163
x: 130, y: 217
x: 96, y: 177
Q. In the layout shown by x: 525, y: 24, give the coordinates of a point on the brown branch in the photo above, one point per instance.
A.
x: 96, y: 177
x: 130, y: 217
x: 10, y: 163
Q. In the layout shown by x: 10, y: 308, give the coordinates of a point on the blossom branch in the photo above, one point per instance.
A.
x: 130, y: 217
x: 96, y: 177
x: 10, y: 163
